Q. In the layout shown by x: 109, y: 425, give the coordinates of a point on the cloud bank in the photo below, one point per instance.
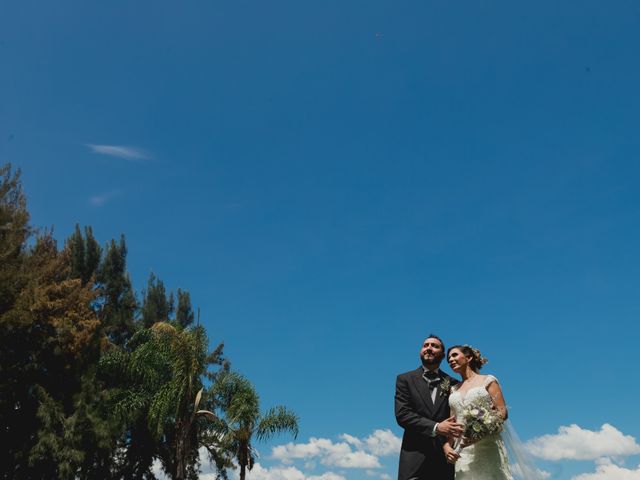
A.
x: 607, y: 470
x: 351, y: 452
x: 576, y: 443
x: 327, y: 459
x: 258, y: 472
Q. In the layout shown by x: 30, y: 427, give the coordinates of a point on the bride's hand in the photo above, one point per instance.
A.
x: 450, y: 454
x: 466, y: 441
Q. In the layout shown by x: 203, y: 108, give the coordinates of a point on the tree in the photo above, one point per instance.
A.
x: 239, y: 403
x: 85, y: 254
x: 87, y: 392
x: 17, y: 407
x: 54, y: 344
x: 117, y: 299
x: 184, y: 312
x: 14, y: 233
x: 50, y: 425
x: 156, y: 307
x: 160, y: 381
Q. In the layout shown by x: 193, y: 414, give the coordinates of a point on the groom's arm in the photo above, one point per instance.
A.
x: 406, y: 416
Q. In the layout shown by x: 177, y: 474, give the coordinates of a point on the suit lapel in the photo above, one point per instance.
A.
x: 423, y: 389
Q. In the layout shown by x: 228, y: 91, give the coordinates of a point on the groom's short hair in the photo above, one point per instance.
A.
x: 431, y: 335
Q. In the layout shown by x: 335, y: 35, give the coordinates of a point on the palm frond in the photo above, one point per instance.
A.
x: 277, y: 420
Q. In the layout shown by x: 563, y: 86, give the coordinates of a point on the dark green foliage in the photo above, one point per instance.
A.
x: 184, y: 312
x: 156, y: 307
x: 14, y: 233
x: 88, y: 389
x: 117, y: 302
x: 155, y: 387
x: 17, y: 404
x: 85, y: 254
x: 54, y: 342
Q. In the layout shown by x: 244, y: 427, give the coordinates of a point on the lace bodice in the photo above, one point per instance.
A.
x: 477, y: 395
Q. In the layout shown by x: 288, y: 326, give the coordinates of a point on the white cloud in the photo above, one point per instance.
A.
x: 352, y: 452
x: 383, y: 443
x: 351, y: 440
x: 293, y: 451
x: 528, y: 471
x: 326, y: 476
x: 120, y: 151
x: 606, y: 470
x: 569, y: 443
x: 381, y: 476
x: 575, y: 443
x: 158, y: 473
x: 329, y: 453
x: 258, y: 472
x: 101, y: 199
x: 358, y: 459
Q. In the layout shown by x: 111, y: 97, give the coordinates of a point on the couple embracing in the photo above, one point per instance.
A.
x: 451, y: 426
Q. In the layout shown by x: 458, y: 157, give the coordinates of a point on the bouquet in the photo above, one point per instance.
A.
x: 479, y: 421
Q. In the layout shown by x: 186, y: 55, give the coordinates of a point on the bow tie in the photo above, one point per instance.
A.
x: 432, y: 379
x: 429, y: 375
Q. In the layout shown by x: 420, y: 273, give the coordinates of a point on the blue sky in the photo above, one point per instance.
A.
x: 333, y: 180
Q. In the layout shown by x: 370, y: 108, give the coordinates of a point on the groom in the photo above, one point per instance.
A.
x: 422, y: 409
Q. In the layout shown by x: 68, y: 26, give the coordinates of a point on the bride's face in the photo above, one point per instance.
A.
x: 457, y: 361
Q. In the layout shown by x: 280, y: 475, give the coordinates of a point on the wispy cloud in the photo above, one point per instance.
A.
x: 120, y: 151
x: 575, y: 443
x: 101, y: 199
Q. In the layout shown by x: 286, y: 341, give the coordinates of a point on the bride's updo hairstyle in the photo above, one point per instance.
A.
x: 477, y: 360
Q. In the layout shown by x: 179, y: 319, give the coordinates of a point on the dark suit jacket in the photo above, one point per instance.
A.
x: 421, y: 455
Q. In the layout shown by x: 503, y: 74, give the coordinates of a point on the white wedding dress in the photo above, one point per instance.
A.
x: 486, y: 459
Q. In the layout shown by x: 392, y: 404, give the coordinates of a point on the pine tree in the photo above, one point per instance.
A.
x: 117, y: 302
x: 184, y: 311
x: 85, y: 254
x: 156, y: 307
x: 75, y: 244
x: 93, y: 253
x: 14, y: 233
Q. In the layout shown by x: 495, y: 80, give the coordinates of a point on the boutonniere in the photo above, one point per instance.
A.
x: 445, y: 386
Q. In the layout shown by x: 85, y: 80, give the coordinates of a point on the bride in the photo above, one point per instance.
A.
x: 486, y: 458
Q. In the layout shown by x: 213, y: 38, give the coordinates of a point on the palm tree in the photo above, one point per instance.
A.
x: 161, y: 381
x: 241, y: 419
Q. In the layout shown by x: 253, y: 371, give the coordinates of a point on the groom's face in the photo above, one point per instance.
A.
x: 432, y: 352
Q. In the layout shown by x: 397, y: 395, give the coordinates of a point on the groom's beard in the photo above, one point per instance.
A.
x: 431, y: 363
